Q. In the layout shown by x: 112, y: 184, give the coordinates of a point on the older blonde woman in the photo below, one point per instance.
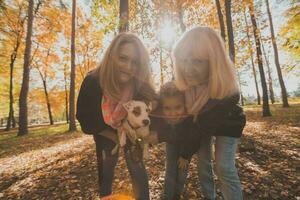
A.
x: 123, y: 74
x: 204, y: 71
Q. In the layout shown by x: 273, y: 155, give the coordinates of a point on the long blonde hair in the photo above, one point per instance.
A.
x: 205, y: 43
x: 108, y: 68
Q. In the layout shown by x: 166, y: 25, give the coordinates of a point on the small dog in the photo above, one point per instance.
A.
x: 136, y: 125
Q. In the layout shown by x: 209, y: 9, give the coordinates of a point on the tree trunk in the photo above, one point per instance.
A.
x: 11, y: 118
x: 266, y: 108
x: 270, y: 82
x: 240, y: 85
x: 255, y: 80
x: 180, y: 16
x: 124, y: 16
x: 66, y: 94
x: 161, y: 66
x: 221, y: 19
x: 229, y: 29
x: 72, y: 124
x: 276, y: 57
x: 48, y: 102
x: 252, y: 59
x: 23, y: 117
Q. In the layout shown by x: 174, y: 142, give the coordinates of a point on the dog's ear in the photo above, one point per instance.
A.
x: 127, y: 105
x: 148, y: 104
x: 152, y: 105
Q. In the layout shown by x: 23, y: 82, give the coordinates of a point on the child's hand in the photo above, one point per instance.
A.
x: 152, y: 138
x: 182, y: 163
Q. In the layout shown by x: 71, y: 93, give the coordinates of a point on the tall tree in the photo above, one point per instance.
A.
x: 231, y: 41
x: 72, y: 124
x: 266, y: 107
x: 23, y: 117
x: 180, y: 12
x: 11, y: 117
x: 46, y: 96
x: 270, y: 80
x: 252, y: 59
x: 229, y: 29
x: 124, y: 16
x: 161, y: 66
x: 276, y: 57
x: 221, y: 19
x: 240, y: 85
x: 12, y: 19
x: 66, y: 94
x: 44, y: 77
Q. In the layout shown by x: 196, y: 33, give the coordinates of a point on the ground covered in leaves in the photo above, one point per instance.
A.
x: 50, y: 163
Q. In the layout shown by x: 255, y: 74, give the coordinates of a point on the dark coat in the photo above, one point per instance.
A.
x: 217, y: 118
x: 89, y: 113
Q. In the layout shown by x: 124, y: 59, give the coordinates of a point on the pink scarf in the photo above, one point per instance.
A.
x: 114, y: 112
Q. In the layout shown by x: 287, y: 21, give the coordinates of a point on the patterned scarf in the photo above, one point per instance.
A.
x: 113, y: 112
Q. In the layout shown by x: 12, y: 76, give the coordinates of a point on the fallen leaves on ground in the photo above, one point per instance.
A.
x: 268, y: 164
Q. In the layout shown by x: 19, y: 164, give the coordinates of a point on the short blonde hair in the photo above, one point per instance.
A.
x: 108, y: 67
x: 222, y: 80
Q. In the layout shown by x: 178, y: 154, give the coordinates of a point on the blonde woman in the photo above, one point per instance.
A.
x: 123, y: 74
x: 204, y: 71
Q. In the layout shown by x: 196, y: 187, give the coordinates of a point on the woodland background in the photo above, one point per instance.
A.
x: 48, y: 46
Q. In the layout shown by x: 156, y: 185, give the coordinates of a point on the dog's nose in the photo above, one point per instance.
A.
x: 146, y: 122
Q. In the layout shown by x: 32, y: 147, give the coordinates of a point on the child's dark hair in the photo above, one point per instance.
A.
x: 169, y: 89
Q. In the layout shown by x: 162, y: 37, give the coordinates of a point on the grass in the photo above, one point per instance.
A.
x: 34, y: 132
x: 290, y: 115
x: 37, y: 138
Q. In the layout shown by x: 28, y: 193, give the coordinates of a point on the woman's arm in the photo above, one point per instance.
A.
x: 159, y: 127
x: 89, y: 112
x: 190, y: 139
x: 222, y: 120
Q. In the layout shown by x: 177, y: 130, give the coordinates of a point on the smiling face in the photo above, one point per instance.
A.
x: 127, y: 62
x: 137, y: 113
x: 173, y: 108
x: 192, y: 56
x: 195, y: 71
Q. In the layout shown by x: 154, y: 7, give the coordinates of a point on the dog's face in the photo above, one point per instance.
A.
x: 138, y: 113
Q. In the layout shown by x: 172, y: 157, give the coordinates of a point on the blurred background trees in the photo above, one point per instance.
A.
x: 262, y: 38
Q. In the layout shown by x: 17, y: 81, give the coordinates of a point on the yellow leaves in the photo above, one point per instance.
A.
x: 48, y: 24
x: 291, y: 31
x: 106, y: 14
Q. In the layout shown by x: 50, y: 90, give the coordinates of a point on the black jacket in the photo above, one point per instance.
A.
x: 217, y: 118
x: 175, y: 134
x: 89, y: 113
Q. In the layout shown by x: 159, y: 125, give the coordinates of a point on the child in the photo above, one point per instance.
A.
x: 173, y: 128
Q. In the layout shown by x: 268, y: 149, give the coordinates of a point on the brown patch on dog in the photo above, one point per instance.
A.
x: 137, y: 111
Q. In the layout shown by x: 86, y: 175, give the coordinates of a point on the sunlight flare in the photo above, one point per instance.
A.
x: 167, y: 33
